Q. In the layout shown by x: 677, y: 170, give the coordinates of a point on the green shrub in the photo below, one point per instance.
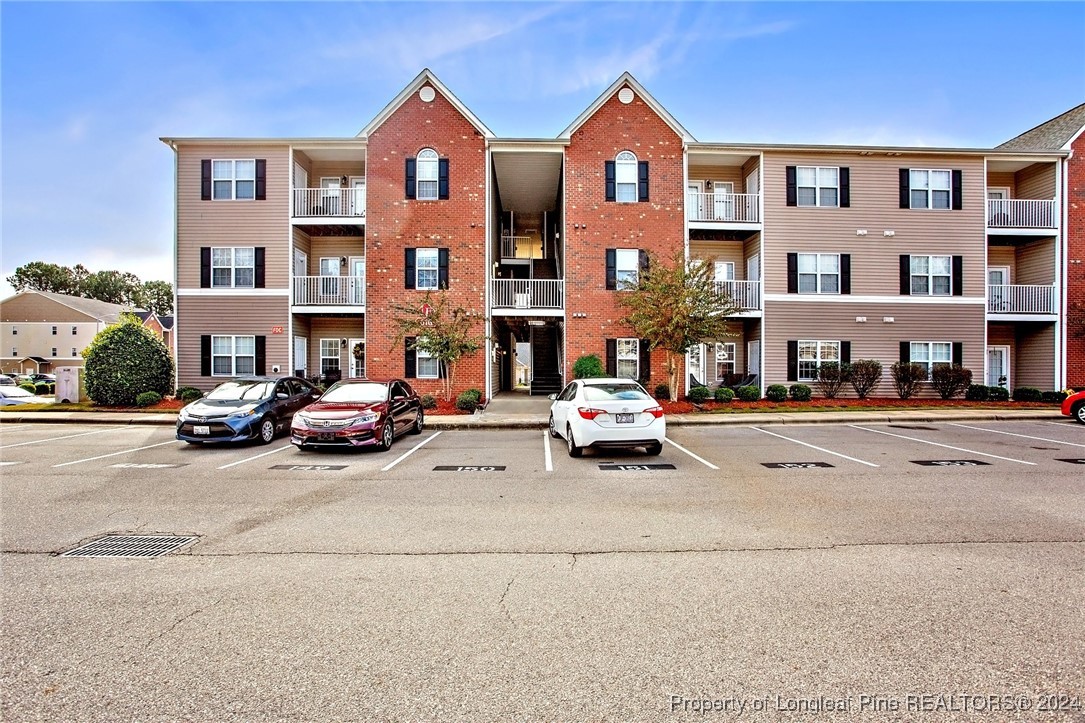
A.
x: 723, y: 394
x: 864, y: 375
x: 776, y: 393
x: 906, y: 378
x: 977, y: 393
x: 589, y: 366
x: 749, y: 393
x: 698, y: 395
x: 663, y: 391
x: 180, y: 393
x: 799, y: 392
x: 1027, y: 394
x: 29, y: 386
x: 190, y: 394
x: 998, y: 394
x: 124, y: 360
x: 1053, y: 397
x: 949, y: 380
x: 43, y: 388
x: 475, y: 394
x: 831, y: 378
x: 147, y: 399
x: 467, y: 401
x: 428, y: 401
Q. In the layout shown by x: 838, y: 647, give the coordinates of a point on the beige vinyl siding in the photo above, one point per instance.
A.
x: 329, y: 327
x: 712, y: 251
x: 233, y: 223
x: 1003, y: 179
x: 874, y: 207
x: 1003, y: 256
x: 1034, y: 357
x: 727, y: 174
x: 1035, y: 263
x: 334, y: 247
x: 303, y: 243
x: 219, y: 315
x: 336, y: 169
x: 1036, y: 181
x: 873, y: 339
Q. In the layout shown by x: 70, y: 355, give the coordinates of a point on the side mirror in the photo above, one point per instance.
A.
x: 398, y: 398
x: 315, y: 395
x: 552, y: 397
x: 281, y: 395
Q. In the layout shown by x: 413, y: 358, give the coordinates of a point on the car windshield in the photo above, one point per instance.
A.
x: 15, y: 392
x: 249, y: 391
x: 612, y: 392
x: 356, y: 392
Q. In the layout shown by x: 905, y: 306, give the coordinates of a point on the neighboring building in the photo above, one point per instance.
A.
x: 42, y: 330
x: 292, y: 252
x: 162, y: 326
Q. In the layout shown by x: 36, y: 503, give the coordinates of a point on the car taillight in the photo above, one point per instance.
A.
x: 656, y: 412
x: 589, y: 413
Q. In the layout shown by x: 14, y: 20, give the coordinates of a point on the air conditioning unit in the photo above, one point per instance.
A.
x: 522, y: 301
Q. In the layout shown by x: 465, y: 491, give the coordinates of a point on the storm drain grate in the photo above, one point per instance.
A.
x: 130, y: 546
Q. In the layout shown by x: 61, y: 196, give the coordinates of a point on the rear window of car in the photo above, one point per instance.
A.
x: 611, y: 392
x: 249, y: 391
x: 15, y: 392
x: 364, y: 392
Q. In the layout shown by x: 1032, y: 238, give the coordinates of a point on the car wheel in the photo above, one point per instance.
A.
x: 553, y: 428
x: 654, y: 449
x: 419, y: 422
x: 574, y: 451
x: 267, y: 430
x: 1078, y: 412
x: 388, y: 435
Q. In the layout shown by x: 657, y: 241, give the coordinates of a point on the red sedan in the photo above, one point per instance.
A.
x: 1074, y: 406
x: 359, y: 413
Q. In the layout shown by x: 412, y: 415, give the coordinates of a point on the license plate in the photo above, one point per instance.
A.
x: 623, y: 418
x: 325, y: 437
x: 200, y: 429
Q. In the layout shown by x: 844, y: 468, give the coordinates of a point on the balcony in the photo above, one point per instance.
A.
x: 745, y: 294
x: 723, y: 208
x: 1021, y: 213
x: 520, y: 248
x: 329, y: 293
x: 1020, y: 299
x: 329, y: 203
x: 511, y: 296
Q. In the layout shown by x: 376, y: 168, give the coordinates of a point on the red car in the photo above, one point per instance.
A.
x: 359, y: 413
x: 1074, y: 406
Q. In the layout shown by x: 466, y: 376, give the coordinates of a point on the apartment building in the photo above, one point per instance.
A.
x: 292, y: 253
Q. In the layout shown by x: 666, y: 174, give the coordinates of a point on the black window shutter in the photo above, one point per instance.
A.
x: 411, y: 178
x: 612, y: 270
x: 205, y: 267
x: 845, y: 352
x: 612, y: 357
x: 645, y: 360
x: 261, y: 179
x: 905, y: 352
x: 442, y: 371
x: 442, y: 268
x: 642, y: 181
x: 958, y: 276
x: 205, y: 179
x: 442, y: 179
x: 410, y: 364
x: 905, y: 275
x: 905, y: 188
x: 958, y: 353
x: 845, y: 273
x: 205, y: 355
x: 792, y: 187
x: 845, y: 188
x: 642, y: 260
x: 408, y: 268
x: 261, y: 355
x: 792, y: 360
x: 258, y: 267
x: 610, y: 180
x: 957, y: 200
x: 792, y: 273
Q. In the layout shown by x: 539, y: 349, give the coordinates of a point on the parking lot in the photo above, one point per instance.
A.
x: 470, y: 573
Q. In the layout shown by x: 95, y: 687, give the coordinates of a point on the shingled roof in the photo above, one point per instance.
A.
x: 1052, y: 135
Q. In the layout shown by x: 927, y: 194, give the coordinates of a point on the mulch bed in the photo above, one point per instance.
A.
x: 685, y: 407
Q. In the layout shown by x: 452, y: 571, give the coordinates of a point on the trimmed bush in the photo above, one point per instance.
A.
x: 949, y: 380
x: 723, y: 394
x: 29, y: 387
x: 906, y: 378
x: 475, y: 393
x: 180, y: 393
x: 776, y: 393
x: 977, y: 393
x: 1027, y: 394
x: 799, y: 392
x: 43, y: 388
x: 147, y: 399
x: 698, y: 395
x: 428, y: 401
x: 190, y: 394
x: 663, y: 391
x: 124, y: 360
x: 831, y: 377
x: 998, y: 394
x: 467, y: 401
x: 589, y: 366
x: 749, y: 393
x: 1053, y: 397
x: 864, y: 375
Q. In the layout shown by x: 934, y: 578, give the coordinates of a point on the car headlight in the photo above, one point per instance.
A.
x: 242, y: 413
x: 364, y: 419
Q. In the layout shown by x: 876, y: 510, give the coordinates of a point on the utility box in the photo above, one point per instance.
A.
x: 69, y: 387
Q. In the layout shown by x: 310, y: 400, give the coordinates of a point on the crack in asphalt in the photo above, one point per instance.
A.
x: 180, y: 620
x: 501, y: 601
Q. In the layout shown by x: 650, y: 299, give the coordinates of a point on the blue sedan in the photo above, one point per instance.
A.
x: 256, y: 407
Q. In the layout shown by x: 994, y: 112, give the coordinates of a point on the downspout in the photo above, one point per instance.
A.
x: 176, y: 309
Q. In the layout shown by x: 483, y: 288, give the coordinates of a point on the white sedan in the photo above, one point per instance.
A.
x: 607, y: 413
x: 17, y: 395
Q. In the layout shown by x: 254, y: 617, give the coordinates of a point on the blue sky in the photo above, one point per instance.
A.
x: 88, y: 88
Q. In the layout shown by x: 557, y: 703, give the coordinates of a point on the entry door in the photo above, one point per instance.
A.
x: 357, y: 195
x: 753, y: 187
x: 723, y: 201
x: 330, y: 195
x: 695, y: 201
x: 695, y: 363
x: 301, y: 356
x: 357, y: 279
x: 998, y: 214
x: 357, y: 366
x: 753, y: 357
x: 998, y: 278
x: 998, y: 366
x: 301, y: 181
x: 329, y: 282
x: 753, y: 273
x: 301, y: 288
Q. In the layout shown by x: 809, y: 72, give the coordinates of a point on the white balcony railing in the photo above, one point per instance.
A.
x: 723, y: 207
x: 1020, y: 213
x: 746, y: 294
x: 528, y: 294
x: 1020, y: 299
x: 329, y: 202
x: 329, y: 290
x: 520, y: 247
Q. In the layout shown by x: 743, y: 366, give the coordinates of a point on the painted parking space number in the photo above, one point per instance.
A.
x: 469, y: 468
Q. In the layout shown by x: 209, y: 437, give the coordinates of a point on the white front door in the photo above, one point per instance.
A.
x: 301, y: 285
x: 357, y: 365
x: 998, y: 214
x: 357, y: 279
x: 998, y: 366
x: 723, y: 201
x: 329, y: 195
x: 301, y: 263
x: 695, y: 200
x: 301, y: 181
x: 301, y: 356
x: 998, y: 278
x: 329, y: 282
x: 357, y: 195
x: 695, y: 364
x: 753, y: 357
x: 753, y: 187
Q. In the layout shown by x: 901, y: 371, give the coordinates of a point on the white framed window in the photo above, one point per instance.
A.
x: 15, y: 331
x: 931, y: 354
x: 724, y: 270
x: 814, y: 353
x: 628, y: 359
x: 54, y: 331
x: 329, y: 355
x: 233, y: 180
x: 817, y: 186
x: 426, y: 365
x: 426, y: 168
x: 929, y: 188
x: 14, y: 351
x: 233, y: 355
x: 819, y: 273
x: 725, y: 360
x: 54, y: 351
x: 425, y: 269
x: 931, y: 275
x: 74, y: 330
x: 233, y: 267
x: 626, y: 268
x: 625, y: 177
x: 75, y: 352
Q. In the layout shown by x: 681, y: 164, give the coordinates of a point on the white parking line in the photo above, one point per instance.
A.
x: 114, y: 454
x: 1013, y: 434
x: 257, y: 456
x: 938, y: 444
x: 57, y: 439
x: 546, y: 452
x: 9, y: 427
x: 703, y: 461
x: 820, y: 449
x: 5, y: 464
x: 408, y: 453
x: 1061, y: 424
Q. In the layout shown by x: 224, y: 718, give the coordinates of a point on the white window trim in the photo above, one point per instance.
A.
x: 819, y: 357
x: 418, y: 178
x: 233, y: 267
x: 233, y: 355
x: 233, y: 179
x: 436, y: 268
x: 930, y: 276
x: 418, y: 356
x: 729, y: 348
x: 929, y: 362
x: 322, y: 356
x: 930, y: 190
x: 818, y: 186
x: 818, y: 274
x: 618, y: 358
x: 619, y: 283
x: 622, y: 162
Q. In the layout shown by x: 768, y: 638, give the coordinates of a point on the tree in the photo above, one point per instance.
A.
x: 126, y: 360
x: 43, y: 276
x: 156, y: 296
x: 445, y: 333
x: 675, y: 305
x: 116, y: 287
